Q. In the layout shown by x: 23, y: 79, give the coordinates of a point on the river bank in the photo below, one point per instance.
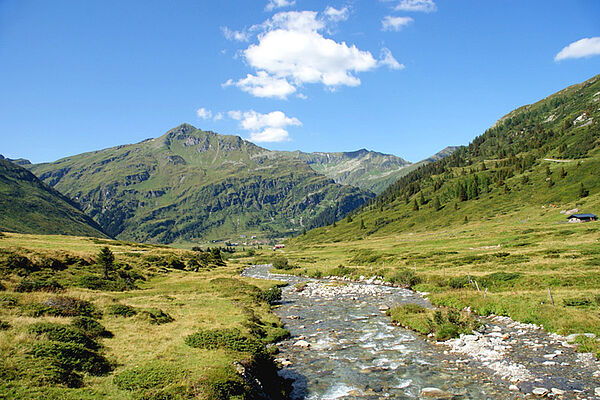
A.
x: 343, y: 346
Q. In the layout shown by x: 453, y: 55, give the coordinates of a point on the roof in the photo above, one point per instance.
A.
x: 582, y: 216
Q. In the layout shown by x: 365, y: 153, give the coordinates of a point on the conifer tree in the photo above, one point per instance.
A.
x: 106, y: 260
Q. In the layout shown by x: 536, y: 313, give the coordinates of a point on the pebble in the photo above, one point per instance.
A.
x: 514, y: 388
x: 541, y: 392
x: 435, y: 393
x: 558, y: 392
x: 597, y: 391
x: 302, y: 343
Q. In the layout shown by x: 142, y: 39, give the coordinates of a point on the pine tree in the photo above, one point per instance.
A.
x: 106, y: 260
x: 415, y: 205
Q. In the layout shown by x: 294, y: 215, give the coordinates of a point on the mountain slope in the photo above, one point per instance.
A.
x: 368, y: 170
x: 541, y: 156
x: 27, y: 205
x: 190, y: 184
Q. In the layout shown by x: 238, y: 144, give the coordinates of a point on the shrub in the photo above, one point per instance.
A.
x: 72, y: 356
x: 231, y: 339
x: 405, y: 278
x: 49, y: 263
x: 122, y: 310
x: 222, y: 384
x: 96, y: 282
x: 38, y: 285
x: 577, y: 302
x: 280, y: 262
x: 459, y: 282
x: 499, y: 279
x: 63, y: 306
x: 18, y: 264
x: 270, y: 296
x: 62, y: 333
x: 341, y: 270
x: 4, y: 325
x: 8, y: 300
x: 90, y: 327
x: 156, y: 316
x: 147, y: 376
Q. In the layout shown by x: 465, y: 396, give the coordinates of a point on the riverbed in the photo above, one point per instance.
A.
x: 343, y: 346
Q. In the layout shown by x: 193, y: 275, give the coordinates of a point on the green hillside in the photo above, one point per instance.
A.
x: 190, y: 184
x: 27, y: 205
x: 368, y: 170
x: 542, y: 155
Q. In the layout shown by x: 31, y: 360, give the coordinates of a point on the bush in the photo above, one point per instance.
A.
x: 38, y: 285
x: 50, y: 263
x: 577, y: 302
x: 499, y: 279
x: 270, y: 296
x: 63, y: 306
x: 4, y: 325
x: 156, y: 316
x: 222, y: 384
x: 280, y: 262
x: 341, y: 270
x: 122, y: 310
x: 62, y: 333
x: 405, y: 278
x: 231, y: 339
x: 96, y: 282
x: 8, y: 300
x: 72, y: 356
x: 147, y: 377
x: 90, y: 327
x: 18, y: 264
x: 459, y: 282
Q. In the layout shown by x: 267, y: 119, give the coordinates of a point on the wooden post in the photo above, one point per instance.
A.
x: 550, y: 295
x: 485, y: 293
x: 477, y: 285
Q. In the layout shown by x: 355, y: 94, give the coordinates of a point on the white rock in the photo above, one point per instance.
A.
x: 597, y: 391
x: 434, y: 393
x: 302, y: 343
x: 541, y: 392
x: 514, y: 388
x: 558, y: 392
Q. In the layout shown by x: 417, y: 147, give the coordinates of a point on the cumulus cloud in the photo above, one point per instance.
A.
x: 336, y: 15
x: 239, y: 36
x: 273, y: 4
x: 204, y: 113
x: 292, y: 51
x: 218, y: 116
x: 390, y: 23
x: 585, y: 47
x: 270, y: 127
x: 416, y: 5
x: 387, y: 59
x: 263, y: 85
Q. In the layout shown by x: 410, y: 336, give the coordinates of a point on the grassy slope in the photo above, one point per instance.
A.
x: 196, y: 300
x: 513, y: 226
x: 28, y: 205
x: 189, y: 184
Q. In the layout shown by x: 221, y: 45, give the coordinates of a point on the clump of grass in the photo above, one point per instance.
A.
x: 222, y: 384
x: 38, y: 285
x: 405, y: 278
x: 4, y: 325
x: 441, y: 324
x: 148, y: 378
x: 280, y: 262
x: 122, y: 310
x: 90, y: 327
x: 156, y: 316
x: 342, y: 270
x: 63, y: 306
x: 71, y: 357
x: 271, y: 295
x: 577, y: 302
x: 62, y: 333
x: 588, y: 345
x: 231, y: 339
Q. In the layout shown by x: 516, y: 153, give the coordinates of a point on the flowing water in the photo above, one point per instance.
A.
x: 356, y: 353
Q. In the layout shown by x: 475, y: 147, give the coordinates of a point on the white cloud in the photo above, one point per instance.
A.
x: 585, y: 47
x: 273, y: 4
x: 263, y: 85
x: 270, y: 127
x: 390, y: 23
x: 416, y: 5
x: 291, y: 51
x: 218, y: 116
x: 204, y: 113
x: 336, y: 15
x: 239, y: 36
x: 387, y: 59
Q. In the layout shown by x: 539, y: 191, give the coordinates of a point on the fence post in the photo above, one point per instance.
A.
x: 550, y: 295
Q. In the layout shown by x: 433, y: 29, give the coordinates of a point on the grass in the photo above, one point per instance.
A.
x: 170, y: 305
x: 515, y: 257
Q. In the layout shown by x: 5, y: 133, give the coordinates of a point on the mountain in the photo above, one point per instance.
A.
x: 18, y: 161
x: 190, y: 184
x: 368, y: 170
x: 440, y: 154
x: 538, y: 157
x: 27, y: 205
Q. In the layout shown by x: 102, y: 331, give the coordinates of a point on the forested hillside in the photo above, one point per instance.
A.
x: 542, y: 155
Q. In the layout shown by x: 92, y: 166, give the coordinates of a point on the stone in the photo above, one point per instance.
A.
x: 540, y: 392
x: 597, y: 391
x: 435, y: 393
x: 302, y: 343
x: 558, y: 392
x: 514, y: 388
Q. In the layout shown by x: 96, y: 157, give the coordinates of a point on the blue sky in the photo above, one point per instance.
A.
x: 406, y: 77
